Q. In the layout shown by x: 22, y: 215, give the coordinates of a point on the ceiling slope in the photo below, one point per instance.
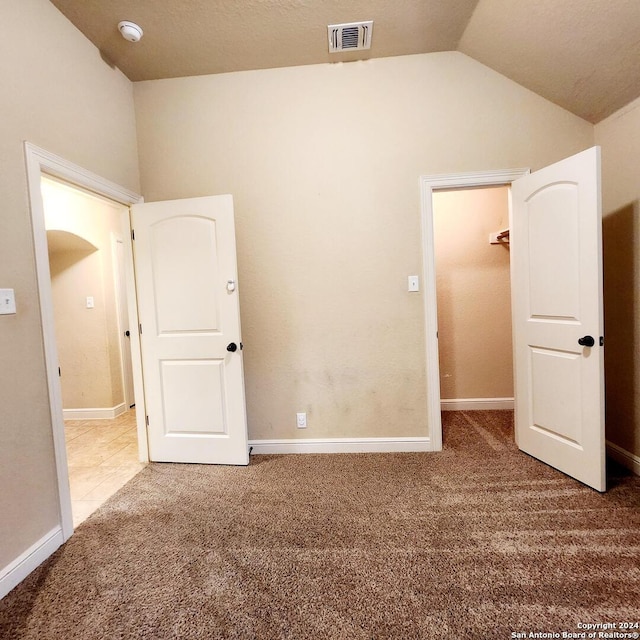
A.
x: 196, y: 37
x: 583, y: 55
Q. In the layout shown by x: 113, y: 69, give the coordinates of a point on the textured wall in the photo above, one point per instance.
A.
x: 474, y: 294
x: 58, y: 94
x: 324, y: 164
x: 619, y: 136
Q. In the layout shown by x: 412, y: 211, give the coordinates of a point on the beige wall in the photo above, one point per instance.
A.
x: 324, y: 164
x: 619, y: 136
x: 474, y: 293
x: 88, y: 340
x: 58, y: 94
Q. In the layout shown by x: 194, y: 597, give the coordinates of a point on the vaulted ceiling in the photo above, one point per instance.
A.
x: 584, y: 55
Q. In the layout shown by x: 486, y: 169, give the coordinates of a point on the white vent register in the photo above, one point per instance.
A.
x: 352, y: 36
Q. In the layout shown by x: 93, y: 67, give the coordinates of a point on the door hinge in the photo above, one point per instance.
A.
x: 147, y: 420
x: 133, y: 234
x: 140, y: 329
x: 59, y: 373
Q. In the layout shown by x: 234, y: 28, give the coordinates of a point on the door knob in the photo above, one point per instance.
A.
x: 127, y: 333
x: 232, y: 346
x: 587, y: 341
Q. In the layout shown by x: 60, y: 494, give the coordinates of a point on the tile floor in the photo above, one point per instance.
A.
x: 102, y: 457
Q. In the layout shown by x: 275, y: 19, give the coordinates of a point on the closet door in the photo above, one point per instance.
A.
x: 558, y: 316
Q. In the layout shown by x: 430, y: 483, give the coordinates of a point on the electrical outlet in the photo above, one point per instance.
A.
x: 301, y: 420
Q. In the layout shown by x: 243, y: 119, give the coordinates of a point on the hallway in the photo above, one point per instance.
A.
x: 102, y: 457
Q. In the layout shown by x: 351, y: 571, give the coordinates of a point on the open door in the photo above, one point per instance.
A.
x: 185, y: 264
x: 558, y: 316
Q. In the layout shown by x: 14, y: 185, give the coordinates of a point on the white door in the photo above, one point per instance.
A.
x: 185, y: 263
x: 558, y: 316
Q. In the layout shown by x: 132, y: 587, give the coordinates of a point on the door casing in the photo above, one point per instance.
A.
x: 38, y: 163
x: 429, y: 184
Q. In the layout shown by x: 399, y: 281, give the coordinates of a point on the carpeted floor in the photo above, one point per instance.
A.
x: 479, y: 541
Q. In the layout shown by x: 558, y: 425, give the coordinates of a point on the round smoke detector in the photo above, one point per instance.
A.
x: 130, y: 31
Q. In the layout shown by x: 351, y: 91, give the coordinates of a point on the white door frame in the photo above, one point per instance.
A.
x: 429, y: 184
x: 40, y: 162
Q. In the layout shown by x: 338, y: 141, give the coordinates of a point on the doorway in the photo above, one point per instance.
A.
x: 83, y: 231
x: 473, y: 288
x: 86, y: 266
x: 429, y: 186
x: 556, y: 272
x: 40, y: 163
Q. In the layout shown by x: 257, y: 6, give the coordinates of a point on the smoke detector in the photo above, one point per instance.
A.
x: 130, y: 31
x: 351, y: 36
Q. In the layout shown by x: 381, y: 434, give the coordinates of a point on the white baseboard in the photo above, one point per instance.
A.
x: 15, y: 572
x: 341, y: 445
x: 108, y: 413
x: 624, y: 457
x: 476, y: 404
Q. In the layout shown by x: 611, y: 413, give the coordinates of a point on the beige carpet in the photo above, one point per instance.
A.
x: 479, y: 541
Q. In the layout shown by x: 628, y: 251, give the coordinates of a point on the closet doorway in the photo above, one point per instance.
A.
x: 431, y: 186
x: 473, y: 292
x: 556, y: 271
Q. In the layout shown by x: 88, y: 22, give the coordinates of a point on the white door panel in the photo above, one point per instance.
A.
x: 194, y: 386
x: 557, y: 300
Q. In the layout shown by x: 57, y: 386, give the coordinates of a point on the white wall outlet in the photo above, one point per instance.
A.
x: 413, y: 283
x: 7, y: 301
x: 90, y: 302
x: 301, y: 420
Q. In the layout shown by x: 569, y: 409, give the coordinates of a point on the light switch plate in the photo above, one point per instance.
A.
x: 7, y: 301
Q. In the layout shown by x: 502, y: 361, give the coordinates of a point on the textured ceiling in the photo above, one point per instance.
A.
x: 581, y: 54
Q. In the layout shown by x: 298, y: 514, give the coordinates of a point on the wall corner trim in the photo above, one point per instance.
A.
x: 342, y: 445
x: 624, y: 457
x: 15, y: 572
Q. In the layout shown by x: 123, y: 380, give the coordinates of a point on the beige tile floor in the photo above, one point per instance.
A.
x: 102, y: 457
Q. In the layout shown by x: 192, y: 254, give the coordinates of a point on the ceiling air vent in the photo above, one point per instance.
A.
x: 352, y: 36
